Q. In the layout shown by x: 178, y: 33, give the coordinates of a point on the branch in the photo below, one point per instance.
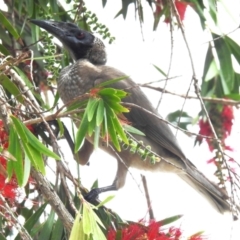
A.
x: 223, y: 101
x: 51, y: 196
x: 22, y: 231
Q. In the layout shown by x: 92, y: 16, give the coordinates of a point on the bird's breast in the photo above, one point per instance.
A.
x: 76, y: 79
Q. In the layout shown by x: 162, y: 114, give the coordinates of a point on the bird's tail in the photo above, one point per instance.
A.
x: 215, y: 195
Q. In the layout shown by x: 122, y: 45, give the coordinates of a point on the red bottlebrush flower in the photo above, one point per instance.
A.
x: 31, y: 128
x: 212, y: 160
x: 111, y: 235
x: 93, y: 92
x: 227, y: 119
x: 205, y: 130
x: 158, y: 10
x: 140, y: 232
x: 8, y: 190
x: 175, y: 232
x: 181, y: 8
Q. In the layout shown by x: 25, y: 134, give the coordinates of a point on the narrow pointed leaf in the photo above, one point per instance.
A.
x: 32, y: 220
x: 80, y: 135
x: 19, y: 128
x: 170, y: 219
x: 4, y: 21
x: 92, y: 125
x: 96, y: 136
x: 109, y: 82
x: 107, y: 91
x: 3, y: 50
x: 92, y: 106
x: 119, y: 129
x: 160, y: 70
x: 106, y: 200
x: 77, y: 229
x: 35, y: 157
x: 11, y: 87
x: 100, y: 112
x: 32, y: 140
x: 57, y: 230
x: 26, y: 170
x: 117, y: 107
x: 226, y: 68
x: 47, y: 227
x: 112, y: 133
x: 132, y: 129
x: 15, y: 149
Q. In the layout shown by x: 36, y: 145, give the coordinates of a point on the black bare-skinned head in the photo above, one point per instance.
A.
x: 80, y: 43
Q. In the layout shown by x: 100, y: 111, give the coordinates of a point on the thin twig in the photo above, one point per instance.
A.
x: 54, y: 200
x: 171, y: 58
x: 223, y: 101
x: 22, y: 231
x: 197, y: 91
x: 149, y: 204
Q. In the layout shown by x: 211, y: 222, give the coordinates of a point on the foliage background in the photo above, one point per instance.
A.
x: 154, y: 50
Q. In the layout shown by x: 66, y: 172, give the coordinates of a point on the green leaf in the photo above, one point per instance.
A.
x: 107, y: 91
x: 117, y: 107
x: 15, y: 149
x: 111, y: 97
x: 106, y: 200
x: 32, y: 140
x: 92, y: 105
x: 160, y: 70
x: 170, y: 220
x: 11, y: 87
x: 80, y: 135
x: 133, y: 130
x: 35, y: 157
x: 234, y: 48
x: 77, y: 105
x: 27, y: 170
x: 96, y: 136
x: 29, y: 84
x: 77, y: 229
x: 32, y: 220
x: 100, y: 112
x: 4, y: 21
x: 212, y: 71
x: 92, y: 125
x: 57, y: 230
x: 183, y: 122
x: 104, y: 3
x: 226, y: 68
x: 19, y: 128
x: 91, y: 223
x: 119, y: 129
x: 111, y: 129
x: 3, y: 50
x: 109, y: 82
x: 87, y: 219
x: 47, y: 227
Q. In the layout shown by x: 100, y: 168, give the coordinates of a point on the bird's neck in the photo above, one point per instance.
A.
x: 95, y: 53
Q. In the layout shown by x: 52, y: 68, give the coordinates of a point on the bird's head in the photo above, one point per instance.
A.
x: 80, y: 43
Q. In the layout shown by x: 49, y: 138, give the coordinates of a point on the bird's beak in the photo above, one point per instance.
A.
x: 53, y: 27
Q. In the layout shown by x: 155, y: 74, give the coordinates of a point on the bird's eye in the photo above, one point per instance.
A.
x: 80, y: 35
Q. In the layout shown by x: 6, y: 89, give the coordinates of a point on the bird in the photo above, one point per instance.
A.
x: 87, y: 71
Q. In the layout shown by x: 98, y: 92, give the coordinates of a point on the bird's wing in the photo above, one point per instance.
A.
x: 152, y: 126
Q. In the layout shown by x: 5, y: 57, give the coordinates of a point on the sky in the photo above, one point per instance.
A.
x: 130, y: 54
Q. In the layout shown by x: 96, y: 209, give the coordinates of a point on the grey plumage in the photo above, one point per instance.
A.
x: 90, y: 70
